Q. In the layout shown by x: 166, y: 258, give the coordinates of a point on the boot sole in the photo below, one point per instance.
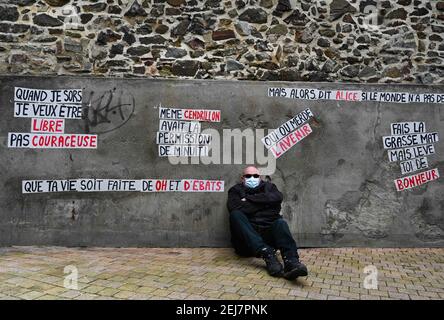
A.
x: 277, y: 274
x: 293, y: 274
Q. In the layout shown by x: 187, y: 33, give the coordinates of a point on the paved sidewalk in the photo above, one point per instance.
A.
x: 171, y: 273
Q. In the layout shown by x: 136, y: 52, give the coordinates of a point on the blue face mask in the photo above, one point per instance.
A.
x: 252, y: 182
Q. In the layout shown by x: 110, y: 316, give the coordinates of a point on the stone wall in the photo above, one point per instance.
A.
x: 324, y: 40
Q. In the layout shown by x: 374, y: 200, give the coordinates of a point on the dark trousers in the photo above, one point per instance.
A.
x: 248, y: 240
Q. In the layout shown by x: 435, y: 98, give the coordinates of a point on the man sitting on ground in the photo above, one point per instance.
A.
x: 257, y: 227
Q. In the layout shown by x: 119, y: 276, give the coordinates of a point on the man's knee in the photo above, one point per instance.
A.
x: 279, y: 224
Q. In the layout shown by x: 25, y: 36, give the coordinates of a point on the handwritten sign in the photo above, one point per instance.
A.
x: 118, y: 185
x: 47, y: 125
x: 48, y: 110
x: 414, y: 165
x: 410, y: 153
x: 179, y: 126
x: 51, y: 141
x: 355, y: 95
x: 189, y: 114
x: 183, y: 138
x: 179, y: 132
x: 48, y: 96
x: 401, y: 128
x: 290, y: 140
x: 286, y: 128
x: 182, y: 150
x: 38, y: 103
x: 408, y: 140
x: 186, y: 185
x: 38, y: 110
x: 410, y: 144
x: 416, y: 180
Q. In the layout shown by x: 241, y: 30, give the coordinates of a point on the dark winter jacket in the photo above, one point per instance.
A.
x: 262, y: 205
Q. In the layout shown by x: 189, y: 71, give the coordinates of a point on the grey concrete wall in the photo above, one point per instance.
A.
x: 337, y: 183
x: 289, y: 40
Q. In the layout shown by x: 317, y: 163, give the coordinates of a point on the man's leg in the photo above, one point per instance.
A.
x: 244, y: 237
x: 280, y: 237
x: 247, y: 241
